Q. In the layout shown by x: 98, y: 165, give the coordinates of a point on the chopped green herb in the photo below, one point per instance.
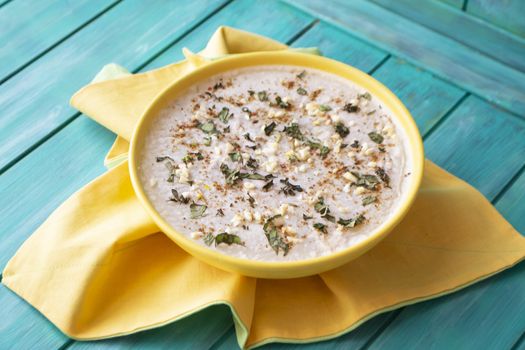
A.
x: 190, y: 157
x: 224, y: 115
x: 163, y: 158
x: 306, y: 217
x: 371, y: 112
x: 267, y: 186
x: 325, y: 108
x: 262, y: 96
x: 226, y: 129
x: 289, y: 189
x: 324, y: 151
x: 369, y: 200
x: 252, y: 163
x: 321, y: 207
x: 246, y: 110
x: 352, y: 222
x: 301, y: 75
x: 350, y: 108
x: 294, y: 131
x: 329, y: 217
x: 302, y: 91
x: 374, y: 136
x: 366, y: 96
x: 383, y: 176
x: 208, y: 127
x: 274, y: 238
x: 341, y: 129
x: 268, y: 129
x: 368, y: 181
x: 281, y: 104
x: 248, y: 137
x: 251, y: 92
x: 320, y: 227
x: 208, y: 239
x: 197, y: 210
x: 207, y: 141
x: 228, y: 238
x: 231, y: 175
x: 177, y: 198
x: 187, y: 159
x: 314, y: 144
x: 235, y: 156
x: 171, y: 168
x: 251, y: 200
x: 253, y: 176
x: 355, y: 144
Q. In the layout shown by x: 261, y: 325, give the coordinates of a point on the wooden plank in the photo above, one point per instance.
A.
x: 29, y: 28
x: 506, y: 14
x: 67, y: 161
x: 511, y: 204
x: 428, y: 98
x: 439, y: 54
x: 32, y: 110
x: 336, y: 44
x: 481, y: 144
x: 484, y: 146
x: 498, y: 44
x: 197, y: 331
x: 253, y: 16
x: 64, y: 164
x: 75, y: 155
x: 25, y: 319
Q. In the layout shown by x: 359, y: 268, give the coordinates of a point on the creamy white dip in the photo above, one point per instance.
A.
x: 274, y: 163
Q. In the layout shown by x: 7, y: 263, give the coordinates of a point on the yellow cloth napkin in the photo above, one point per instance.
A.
x: 98, y: 267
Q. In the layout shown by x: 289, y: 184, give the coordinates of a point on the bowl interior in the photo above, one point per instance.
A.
x: 287, y: 269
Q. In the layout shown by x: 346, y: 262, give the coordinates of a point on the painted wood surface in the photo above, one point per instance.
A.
x: 439, y: 54
x: 456, y: 3
x: 466, y: 320
x: 72, y: 157
x: 29, y: 28
x: 465, y: 134
x: 477, y: 34
x: 507, y: 14
x: 43, y: 89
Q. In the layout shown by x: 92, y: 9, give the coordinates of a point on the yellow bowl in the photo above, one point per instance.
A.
x: 287, y: 269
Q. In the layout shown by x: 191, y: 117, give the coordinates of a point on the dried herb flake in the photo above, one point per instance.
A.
x: 374, y: 136
x: 197, y: 210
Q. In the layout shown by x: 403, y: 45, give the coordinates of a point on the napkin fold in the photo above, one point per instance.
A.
x: 99, y: 267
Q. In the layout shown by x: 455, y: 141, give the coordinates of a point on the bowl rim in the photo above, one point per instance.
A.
x: 275, y: 269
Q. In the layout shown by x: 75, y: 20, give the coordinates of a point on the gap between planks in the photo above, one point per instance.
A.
x: 5, y: 3
x: 520, y: 343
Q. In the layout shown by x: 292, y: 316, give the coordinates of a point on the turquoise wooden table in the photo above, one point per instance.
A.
x: 459, y: 66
